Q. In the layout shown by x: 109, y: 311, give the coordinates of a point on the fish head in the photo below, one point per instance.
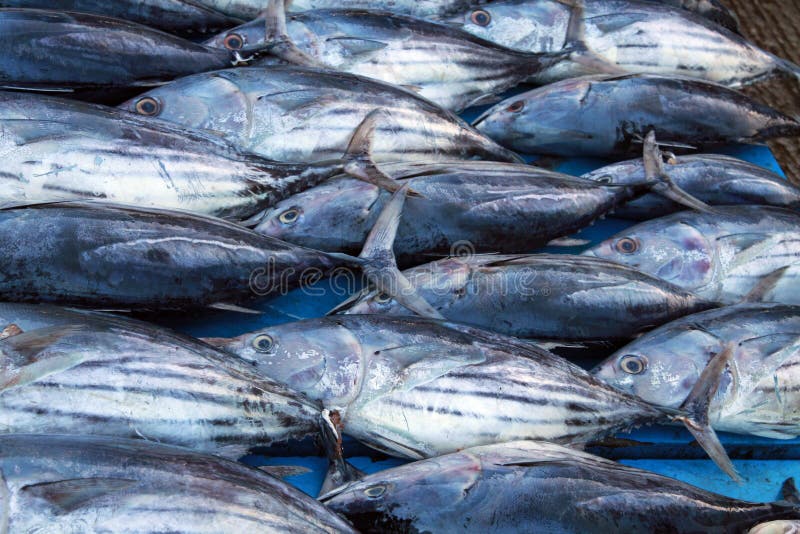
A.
x: 319, y: 358
x: 668, y: 248
x: 535, y: 26
x: 241, y: 37
x: 209, y: 101
x: 402, y: 496
x: 663, y: 366
x: 624, y: 173
x: 336, y: 215
x: 540, y: 121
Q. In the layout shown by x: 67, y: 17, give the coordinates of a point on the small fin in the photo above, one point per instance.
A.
x: 661, y: 183
x: 696, y: 407
x: 380, y: 265
x: 358, y: 161
x: 21, y: 361
x: 278, y: 41
x: 9, y: 331
x: 765, y: 285
x: 789, y: 491
x: 223, y: 306
x: 568, y: 242
x: 69, y: 495
x: 284, y: 471
x: 340, y: 471
x: 425, y: 362
x: 358, y: 47
x: 576, y: 43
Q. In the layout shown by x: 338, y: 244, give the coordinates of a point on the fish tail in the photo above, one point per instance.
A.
x: 278, y: 41
x: 787, y: 67
x: 693, y: 413
x: 340, y: 471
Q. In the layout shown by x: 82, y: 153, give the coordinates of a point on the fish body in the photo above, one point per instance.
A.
x: 75, y: 484
x: 722, y: 255
x: 714, y: 179
x: 636, y: 36
x: 179, y: 16
x: 415, y: 8
x: 416, y: 388
x: 538, y: 487
x: 300, y: 114
x: 760, y: 392
x: 482, y: 206
x: 56, y: 150
x: 445, y: 65
x: 542, y: 296
x: 119, y: 257
x: 54, y: 50
x: 601, y: 116
x: 710, y: 9
x: 127, y: 379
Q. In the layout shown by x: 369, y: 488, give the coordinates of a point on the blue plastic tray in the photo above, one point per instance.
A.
x: 763, y: 463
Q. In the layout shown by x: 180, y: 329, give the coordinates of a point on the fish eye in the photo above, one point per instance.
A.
x: 605, y: 179
x: 375, y: 492
x: 233, y: 41
x: 481, y: 17
x: 517, y: 106
x: 263, y: 343
x: 627, y: 245
x: 148, y: 106
x: 289, y: 216
x: 633, y: 364
x: 383, y: 298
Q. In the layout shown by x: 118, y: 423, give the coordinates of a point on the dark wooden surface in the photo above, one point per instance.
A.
x: 775, y: 26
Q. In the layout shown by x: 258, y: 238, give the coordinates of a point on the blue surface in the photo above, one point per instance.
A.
x: 763, y: 463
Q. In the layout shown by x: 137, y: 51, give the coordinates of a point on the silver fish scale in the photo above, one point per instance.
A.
x: 249, y: 9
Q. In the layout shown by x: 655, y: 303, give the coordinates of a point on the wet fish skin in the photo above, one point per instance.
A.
x: 179, y: 16
x: 447, y: 66
x: 537, y: 486
x: 605, y: 117
x: 128, y: 379
x: 94, y: 484
x: 299, y: 114
x: 416, y: 387
x: 714, y: 179
x: 51, y: 50
x: 759, y: 394
x: 100, y: 255
x: 721, y: 256
x: 57, y: 149
x: 710, y: 9
x: 636, y: 36
x: 484, y: 206
x: 542, y: 296
x: 250, y: 9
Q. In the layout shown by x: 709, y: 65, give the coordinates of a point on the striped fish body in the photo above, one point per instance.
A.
x: 760, y: 393
x: 56, y: 150
x: 416, y: 388
x: 110, y: 256
x: 297, y: 114
x: 53, y: 50
x: 486, y: 207
x: 715, y: 179
x: 416, y: 8
x: 445, y: 65
x: 82, y: 484
x: 538, y: 487
x: 637, y: 37
x: 601, y: 116
x: 128, y: 379
x: 542, y: 296
x: 178, y: 16
x: 721, y: 256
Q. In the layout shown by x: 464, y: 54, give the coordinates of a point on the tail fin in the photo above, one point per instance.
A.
x: 278, y: 41
x: 787, y: 67
x: 340, y: 472
x: 577, y: 49
x: 694, y: 411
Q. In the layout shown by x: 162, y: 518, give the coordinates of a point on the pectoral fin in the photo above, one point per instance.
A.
x: 69, y: 495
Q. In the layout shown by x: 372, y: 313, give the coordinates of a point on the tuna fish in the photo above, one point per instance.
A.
x: 601, y: 116
x: 128, y: 379
x: 63, y: 51
x: 86, y: 484
x: 638, y: 37
x: 299, y: 114
x: 417, y: 388
x: 178, y: 16
x: 714, y: 179
x: 486, y: 207
x: 57, y: 150
x: 443, y: 64
x: 250, y: 9
x: 722, y: 256
x: 530, y: 486
x: 540, y: 296
x: 760, y: 393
